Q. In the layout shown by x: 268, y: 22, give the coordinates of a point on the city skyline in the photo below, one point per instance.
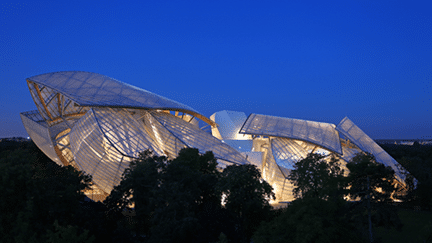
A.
x: 313, y: 61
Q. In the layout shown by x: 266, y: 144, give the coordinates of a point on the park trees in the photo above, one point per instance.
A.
x: 35, y: 193
x: 417, y: 159
x: 371, y: 186
x: 180, y: 199
x: 369, y: 179
x: 188, y: 187
x: 137, y: 189
x: 308, y: 220
x: 168, y: 195
x: 246, y: 196
x: 316, y: 177
x: 320, y: 212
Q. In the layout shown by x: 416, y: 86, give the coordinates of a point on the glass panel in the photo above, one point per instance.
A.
x: 92, y: 89
x: 286, y: 153
x: 365, y: 143
x: 39, y: 133
x: 322, y: 134
x: 196, y: 138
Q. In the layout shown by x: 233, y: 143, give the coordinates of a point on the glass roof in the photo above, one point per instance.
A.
x: 92, y: 89
x: 319, y: 133
x: 365, y: 143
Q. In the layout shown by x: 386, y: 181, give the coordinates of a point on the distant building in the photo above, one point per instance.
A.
x: 15, y: 139
x: 409, y: 142
x: 98, y: 125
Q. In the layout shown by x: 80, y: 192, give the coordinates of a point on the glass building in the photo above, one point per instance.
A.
x: 274, y: 144
x: 98, y: 125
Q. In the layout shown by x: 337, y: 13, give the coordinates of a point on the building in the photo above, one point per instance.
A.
x: 274, y: 144
x: 98, y: 125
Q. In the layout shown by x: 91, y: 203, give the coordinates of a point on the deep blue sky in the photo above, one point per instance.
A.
x: 315, y: 60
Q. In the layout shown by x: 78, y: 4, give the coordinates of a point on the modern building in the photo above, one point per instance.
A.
x: 98, y: 125
x: 274, y: 144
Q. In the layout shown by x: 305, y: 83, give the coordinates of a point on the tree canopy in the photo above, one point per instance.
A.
x: 370, y: 179
x: 246, y: 195
x: 35, y: 193
x: 371, y: 186
x: 317, y: 177
x: 190, y: 199
x: 308, y: 220
x: 321, y: 214
x: 416, y: 159
x: 180, y: 199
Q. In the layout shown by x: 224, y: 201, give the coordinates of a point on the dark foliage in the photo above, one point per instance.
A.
x: 320, y: 213
x: 369, y: 179
x: 173, y: 201
x: 315, y: 177
x: 246, y: 197
x: 310, y: 220
x: 180, y: 200
x: 371, y: 185
x: 37, y: 195
x: 417, y: 160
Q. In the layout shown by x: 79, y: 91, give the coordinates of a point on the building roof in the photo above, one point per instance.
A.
x: 367, y: 144
x: 96, y: 90
x: 319, y: 133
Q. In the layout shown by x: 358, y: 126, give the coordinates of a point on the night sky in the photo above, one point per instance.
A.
x: 313, y: 60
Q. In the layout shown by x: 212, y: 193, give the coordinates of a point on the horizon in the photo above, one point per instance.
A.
x: 378, y: 140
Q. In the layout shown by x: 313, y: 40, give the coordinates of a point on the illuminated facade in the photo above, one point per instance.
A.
x: 274, y: 144
x: 98, y: 125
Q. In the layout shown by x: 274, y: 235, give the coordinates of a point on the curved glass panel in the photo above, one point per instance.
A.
x: 286, y: 153
x: 92, y: 89
x: 197, y: 138
x: 165, y: 140
x: 40, y: 134
x: 319, y: 133
x: 95, y: 155
x: 365, y: 143
x: 349, y: 151
x: 229, y: 123
x: 124, y: 132
x: 274, y: 176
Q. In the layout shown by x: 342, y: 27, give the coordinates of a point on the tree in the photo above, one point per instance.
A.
x: 179, y: 200
x: 371, y: 186
x: 170, y: 196
x: 319, y: 214
x: 35, y: 193
x: 309, y: 220
x: 68, y: 234
x: 246, y: 195
x: 138, y: 189
x: 418, y: 161
x: 188, y: 190
x: 370, y: 179
x: 314, y: 177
